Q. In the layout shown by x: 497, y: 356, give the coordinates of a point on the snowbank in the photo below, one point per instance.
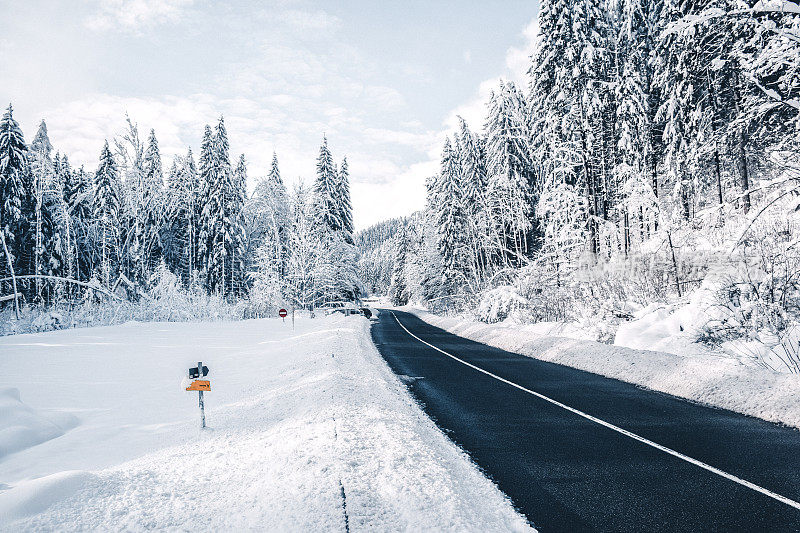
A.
x: 719, y: 381
x: 22, y: 426
x: 308, y: 428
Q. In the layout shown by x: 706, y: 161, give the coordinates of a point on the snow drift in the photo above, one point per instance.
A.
x: 22, y: 426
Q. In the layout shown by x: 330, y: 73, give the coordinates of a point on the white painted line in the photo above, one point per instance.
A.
x: 679, y: 455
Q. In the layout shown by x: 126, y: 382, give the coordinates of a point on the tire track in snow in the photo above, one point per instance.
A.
x: 341, y: 485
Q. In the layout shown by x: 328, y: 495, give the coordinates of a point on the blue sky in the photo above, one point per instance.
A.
x: 383, y: 80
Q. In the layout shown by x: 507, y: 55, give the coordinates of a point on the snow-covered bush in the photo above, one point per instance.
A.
x: 757, y: 297
x: 499, y: 304
x: 167, y: 300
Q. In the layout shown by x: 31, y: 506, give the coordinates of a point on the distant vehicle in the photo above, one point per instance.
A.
x: 347, y: 309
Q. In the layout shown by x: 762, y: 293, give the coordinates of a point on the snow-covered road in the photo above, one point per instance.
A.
x: 309, y: 429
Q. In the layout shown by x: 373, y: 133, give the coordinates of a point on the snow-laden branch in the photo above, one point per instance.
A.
x: 92, y: 286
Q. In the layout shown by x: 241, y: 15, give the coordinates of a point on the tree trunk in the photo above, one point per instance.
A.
x: 11, y: 271
x: 744, y: 171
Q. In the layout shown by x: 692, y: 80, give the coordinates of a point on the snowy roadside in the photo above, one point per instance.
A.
x: 718, y: 381
x: 309, y: 430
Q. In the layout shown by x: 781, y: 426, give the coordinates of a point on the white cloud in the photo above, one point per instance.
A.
x: 281, y: 75
x: 133, y: 15
x: 517, y: 62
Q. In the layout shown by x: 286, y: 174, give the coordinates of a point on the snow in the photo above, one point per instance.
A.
x: 21, y: 426
x: 665, y: 328
x: 714, y: 380
x: 303, y: 423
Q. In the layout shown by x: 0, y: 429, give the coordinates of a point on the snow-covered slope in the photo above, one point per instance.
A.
x: 308, y: 428
x: 718, y: 381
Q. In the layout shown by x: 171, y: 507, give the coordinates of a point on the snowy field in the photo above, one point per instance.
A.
x: 309, y: 430
x: 715, y: 380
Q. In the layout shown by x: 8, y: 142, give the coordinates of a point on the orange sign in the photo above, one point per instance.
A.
x: 200, y: 384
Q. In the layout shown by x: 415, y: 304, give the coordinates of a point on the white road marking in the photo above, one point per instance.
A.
x: 679, y: 455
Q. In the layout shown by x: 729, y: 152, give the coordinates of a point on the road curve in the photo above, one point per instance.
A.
x: 545, y: 433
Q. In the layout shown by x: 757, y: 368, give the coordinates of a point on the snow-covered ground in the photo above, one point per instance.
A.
x: 308, y: 429
x: 720, y: 381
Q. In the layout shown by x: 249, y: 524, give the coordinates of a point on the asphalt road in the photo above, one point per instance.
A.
x: 566, y: 472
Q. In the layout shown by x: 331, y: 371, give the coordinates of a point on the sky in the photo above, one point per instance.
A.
x: 384, y: 81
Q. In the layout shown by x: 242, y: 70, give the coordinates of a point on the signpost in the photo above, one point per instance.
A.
x: 282, y: 313
x: 200, y: 385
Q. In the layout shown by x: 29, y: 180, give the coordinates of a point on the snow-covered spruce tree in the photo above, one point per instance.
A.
x: 106, y: 217
x: 180, y: 233
x: 41, y: 176
x: 152, y: 205
x: 474, y: 184
x: 268, y: 284
x: 679, y: 77
x: 63, y: 219
x: 269, y: 225
x: 55, y: 235
x: 346, y: 206
x: 554, y: 32
x: 335, y: 275
x: 571, y: 101
x: 451, y: 224
x: 399, y: 289
x: 13, y: 165
x: 211, y: 243
x: 280, y: 207
x: 327, y: 202
x: 78, y: 197
x: 130, y: 155
x: 511, y: 189
x: 635, y: 205
x: 235, y: 218
x: 221, y: 224
x: 303, y: 248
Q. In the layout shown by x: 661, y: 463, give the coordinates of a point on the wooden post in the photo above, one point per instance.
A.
x: 11, y: 270
x: 200, y: 393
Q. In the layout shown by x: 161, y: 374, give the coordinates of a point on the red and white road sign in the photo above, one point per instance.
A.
x: 282, y: 313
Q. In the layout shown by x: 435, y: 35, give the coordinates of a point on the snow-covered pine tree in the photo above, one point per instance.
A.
x: 635, y: 202
x: 511, y: 195
x: 78, y: 197
x: 51, y: 228
x: 210, y: 204
x: 13, y: 165
x: 335, y: 275
x: 279, y: 205
x: 235, y: 218
x: 182, y: 215
x: 474, y: 184
x: 677, y: 76
x: 152, y: 206
x: 398, y: 290
x: 106, y: 217
x: 346, y: 207
x: 219, y: 221
x: 303, y: 251
x: 41, y: 177
x: 451, y: 223
x: 327, y: 199
x: 268, y: 222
